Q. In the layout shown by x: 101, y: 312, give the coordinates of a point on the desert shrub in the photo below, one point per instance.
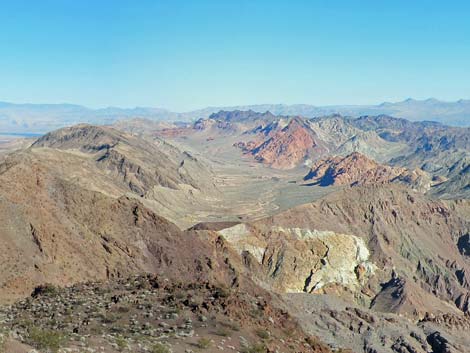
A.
x: 255, y: 348
x: 109, y: 318
x: 46, y: 340
x: 204, y: 343
x: 221, y: 331
x: 3, y: 339
x: 174, y: 310
x: 45, y: 290
x: 122, y: 309
x: 121, y: 343
x: 222, y: 292
x: 160, y: 348
x: 261, y: 333
x: 256, y: 313
x: 231, y: 325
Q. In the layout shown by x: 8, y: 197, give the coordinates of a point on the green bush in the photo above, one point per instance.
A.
x: 231, y: 325
x: 2, y: 343
x: 45, y: 290
x: 255, y: 348
x: 262, y: 334
x: 203, y: 343
x: 109, y: 318
x: 160, y: 348
x: 222, y: 332
x: 47, y: 340
x: 121, y: 343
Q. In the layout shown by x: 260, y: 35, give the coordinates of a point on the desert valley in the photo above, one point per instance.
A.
x: 249, y: 176
x: 242, y: 231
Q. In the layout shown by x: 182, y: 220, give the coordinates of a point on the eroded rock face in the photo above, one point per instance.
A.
x: 344, y: 261
x: 284, y: 144
x: 287, y: 148
x: 407, y: 234
x: 357, y: 169
x: 304, y: 260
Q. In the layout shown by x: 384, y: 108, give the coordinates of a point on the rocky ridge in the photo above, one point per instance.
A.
x: 357, y: 169
x: 381, y: 267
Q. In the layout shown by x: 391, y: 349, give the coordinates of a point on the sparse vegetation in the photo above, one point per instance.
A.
x: 3, y: 339
x: 129, y: 319
x: 256, y: 313
x: 121, y: 343
x: 160, y: 348
x: 231, y: 325
x: 222, y: 292
x: 261, y: 333
x: 221, y: 331
x: 204, y: 343
x: 255, y: 348
x: 45, y: 289
x: 47, y: 340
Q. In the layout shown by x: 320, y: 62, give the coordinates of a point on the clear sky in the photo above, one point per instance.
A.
x: 184, y: 55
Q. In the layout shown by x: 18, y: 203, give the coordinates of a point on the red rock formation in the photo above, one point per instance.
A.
x: 357, y: 169
x: 287, y: 147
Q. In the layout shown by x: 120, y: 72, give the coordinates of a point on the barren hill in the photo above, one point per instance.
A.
x: 66, y: 220
x: 55, y: 231
x: 381, y: 249
x: 357, y: 169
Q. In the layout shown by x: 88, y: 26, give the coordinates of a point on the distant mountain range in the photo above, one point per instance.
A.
x: 39, y: 118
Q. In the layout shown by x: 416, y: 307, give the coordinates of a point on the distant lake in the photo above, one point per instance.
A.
x: 20, y: 134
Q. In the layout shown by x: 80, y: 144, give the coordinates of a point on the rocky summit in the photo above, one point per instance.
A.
x: 240, y: 231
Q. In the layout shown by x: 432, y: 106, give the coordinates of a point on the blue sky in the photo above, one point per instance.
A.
x: 184, y: 55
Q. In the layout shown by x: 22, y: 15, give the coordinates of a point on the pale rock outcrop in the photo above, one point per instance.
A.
x: 304, y: 260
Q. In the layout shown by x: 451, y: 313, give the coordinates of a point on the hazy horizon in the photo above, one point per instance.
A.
x: 319, y: 105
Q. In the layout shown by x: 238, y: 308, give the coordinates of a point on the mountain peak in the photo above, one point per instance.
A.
x: 81, y: 136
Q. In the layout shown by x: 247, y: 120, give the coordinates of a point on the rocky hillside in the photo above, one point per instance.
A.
x: 67, y: 221
x: 151, y: 314
x: 287, y: 147
x: 408, y: 236
x: 387, y: 252
x: 126, y: 157
x: 168, y: 180
x: 357, y: 169
x: 59, y: 232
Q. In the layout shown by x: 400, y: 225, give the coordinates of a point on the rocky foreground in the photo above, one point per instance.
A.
x: 150, y: 314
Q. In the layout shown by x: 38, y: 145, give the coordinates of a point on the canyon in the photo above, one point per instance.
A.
x: 322, y: 234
